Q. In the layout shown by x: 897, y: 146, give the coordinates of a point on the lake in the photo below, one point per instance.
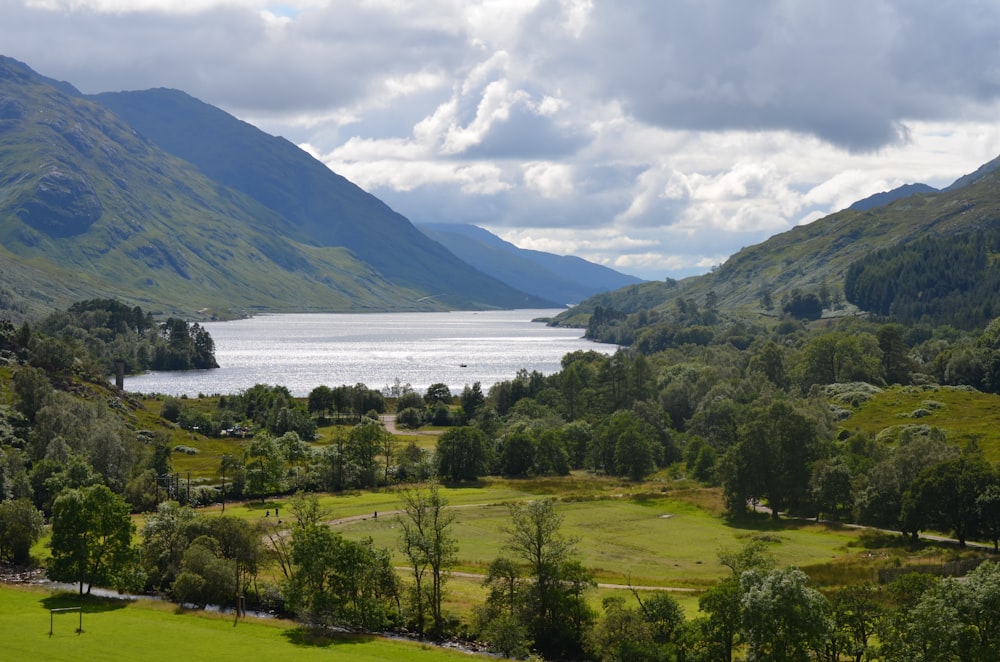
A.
x: 304, y: 351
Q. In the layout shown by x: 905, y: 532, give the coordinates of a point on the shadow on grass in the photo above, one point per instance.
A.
x: 875, y: 539
x: 321, y: 638
x: 91, y: 604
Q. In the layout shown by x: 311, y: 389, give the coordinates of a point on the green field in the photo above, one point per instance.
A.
x: 649, y: 541
x: 963, y: 414
x: 148, y: 630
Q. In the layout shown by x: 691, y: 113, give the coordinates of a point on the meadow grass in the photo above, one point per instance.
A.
x: 963, y: 414
x: 150, y: 630
x: 645, y: 541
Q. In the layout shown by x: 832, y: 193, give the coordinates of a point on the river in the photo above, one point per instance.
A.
x: 303, y: 351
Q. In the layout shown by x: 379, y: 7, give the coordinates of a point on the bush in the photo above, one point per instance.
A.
x: 171, y: 410
x: 411, y: 418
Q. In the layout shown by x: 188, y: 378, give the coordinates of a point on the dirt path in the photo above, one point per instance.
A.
x: 675, y: 589
x: 389, y: 423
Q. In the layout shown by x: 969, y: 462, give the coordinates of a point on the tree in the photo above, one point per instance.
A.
x: 838, y: 356
x: 622, y: 446
x: 928, y: 626
x: 364, y: 443
x: 770, y: 362
x: 428, y: 543
x: 264, y: 464
x: 410, y: 400
x: 462, y: 454
x: 783, y: 618
x: 92, y: 539
x: 438, y: 394
x: 517, y: 454
x: 555, y: 609
x: 634, y: 455
x: 804, y: 306
x: 320, y: 400
x: 165, y: 537
x: 855, y: 610
x: 472, y: 400
x: 340, y: 582
x: 720, y: 629
x: 878, y: 497
x: 205, y: 578
x: 945, y: 495
x: 410, y: 418
x: 241, y: 544
x: 650, y: 632
x: 21, y: 525
x: 623, y: 634
x: 988, y: 505
x: 896, y: 363
x: 831, y: 487
x: 33, y: 388
x: 771, y: 460
x: 550, y: 453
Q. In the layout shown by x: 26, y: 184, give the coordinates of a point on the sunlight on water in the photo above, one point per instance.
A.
x: 420, y: 349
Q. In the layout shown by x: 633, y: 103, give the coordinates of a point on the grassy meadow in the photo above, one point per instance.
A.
x: 963, y: 414
x: 661, y: 534
x: 150, y: 630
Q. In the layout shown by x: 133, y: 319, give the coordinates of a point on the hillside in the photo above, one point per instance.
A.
x: 89, y: 207
x: 885, y: 197
x: 816, y: 257
x: 324, y: 208
x: 563, y: 278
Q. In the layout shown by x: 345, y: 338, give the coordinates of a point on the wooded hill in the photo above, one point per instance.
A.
x: 928, y: 251
x: 91, y: 206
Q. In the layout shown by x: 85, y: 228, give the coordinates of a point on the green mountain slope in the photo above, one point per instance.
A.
x: 322, y: 207
x: 89, y: 207
x: 816, y: 257
x: 563, y: 278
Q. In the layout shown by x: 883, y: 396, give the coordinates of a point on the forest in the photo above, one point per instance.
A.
x: 759, y: 415
x: 943, y: 280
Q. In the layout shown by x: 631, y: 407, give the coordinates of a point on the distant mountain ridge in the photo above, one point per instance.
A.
x: 567, y: 279
x: 885, y: 197
x: 197, y: 211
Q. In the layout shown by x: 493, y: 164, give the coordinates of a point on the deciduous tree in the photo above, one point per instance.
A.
x: 429, y: 545
x: 21, y: 525
x: 92, y: 540
x: 784, y: 620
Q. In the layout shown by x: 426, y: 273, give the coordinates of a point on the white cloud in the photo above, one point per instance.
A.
x: 550, y: 180
x: 655, y: 137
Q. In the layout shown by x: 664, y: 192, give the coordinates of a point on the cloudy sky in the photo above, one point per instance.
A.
x: 656, y: 137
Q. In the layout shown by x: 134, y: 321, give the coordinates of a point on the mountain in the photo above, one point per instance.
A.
x: 562, y: 278
x: 90, y: 206
x: 325, y: 208
x: 885, y: 197
x: 815, y: 258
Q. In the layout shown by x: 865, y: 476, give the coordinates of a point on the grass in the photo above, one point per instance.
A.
x: 150, y: 630
x: 963, y: 414
x: 649, y: 541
